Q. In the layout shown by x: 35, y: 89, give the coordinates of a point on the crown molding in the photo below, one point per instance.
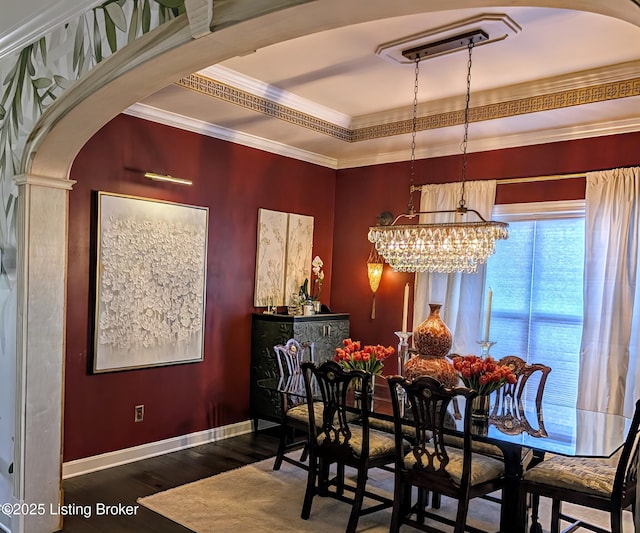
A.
x: 572, y: 133
x: 50, y: 16
x: 175, y: 120
x: 577, y: 81
x: 159, y: 116
x: 275, y: 94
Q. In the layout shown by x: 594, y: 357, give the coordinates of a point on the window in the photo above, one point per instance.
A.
x: 537, y: 280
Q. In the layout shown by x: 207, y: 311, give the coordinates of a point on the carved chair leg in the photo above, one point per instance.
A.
x: 423, y: 500
x: 536, y: 527
x: 311, y: 488
x: 281, y: 447
x: 556, y: 509
x: 436, y: 500
x: 616, y: 521
x: 323, y: 481
x: 358, y: 499
x: 461, y: 516
x: 340, y: 479
x: 399, y: 503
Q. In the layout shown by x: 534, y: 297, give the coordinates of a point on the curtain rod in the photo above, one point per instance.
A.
x: 528, y: 179
x: 541, y: 178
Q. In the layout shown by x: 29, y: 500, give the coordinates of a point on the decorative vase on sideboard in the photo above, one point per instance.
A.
x: 432, y: 341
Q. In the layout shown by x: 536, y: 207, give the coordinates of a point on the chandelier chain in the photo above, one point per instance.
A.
x: 414, y: 129
x: 465, y: 138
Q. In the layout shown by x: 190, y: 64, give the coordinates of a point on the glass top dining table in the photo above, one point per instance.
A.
x: 521, y: 428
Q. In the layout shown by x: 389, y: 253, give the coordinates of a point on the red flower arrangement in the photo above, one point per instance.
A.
x: 370, y: 358
x: 482, y: 375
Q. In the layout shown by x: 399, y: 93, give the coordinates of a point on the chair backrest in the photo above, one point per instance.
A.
x: 523, y: 372
x: 291, y: 355
x: 330, y: 383
x: 508, y: 413
x: 429, y: 401
x: 624, y: 485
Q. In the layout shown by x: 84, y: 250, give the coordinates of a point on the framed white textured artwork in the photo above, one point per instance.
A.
x: 283, y: 256
x: 299, y: 249
x: 270, y: 258
x: 151, y: 260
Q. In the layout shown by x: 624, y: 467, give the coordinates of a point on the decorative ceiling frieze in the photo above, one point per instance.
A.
x: 507, y: 108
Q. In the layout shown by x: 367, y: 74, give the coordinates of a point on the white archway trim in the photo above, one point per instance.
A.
x: 40, y: 345
x: 136, y: 71
x: 44, y: 181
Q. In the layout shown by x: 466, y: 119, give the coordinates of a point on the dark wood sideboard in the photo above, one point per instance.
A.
x: 326, y: 331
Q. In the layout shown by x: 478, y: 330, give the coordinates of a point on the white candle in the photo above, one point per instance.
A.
x: 487, y: 320
x: 405, y: 308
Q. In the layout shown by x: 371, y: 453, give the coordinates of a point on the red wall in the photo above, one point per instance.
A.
x: 363, y: 193
x: 233, y: 181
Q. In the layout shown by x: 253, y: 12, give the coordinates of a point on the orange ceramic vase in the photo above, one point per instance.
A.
x: 432, y: 340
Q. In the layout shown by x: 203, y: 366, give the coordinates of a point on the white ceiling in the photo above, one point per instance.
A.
x: 336, y: 76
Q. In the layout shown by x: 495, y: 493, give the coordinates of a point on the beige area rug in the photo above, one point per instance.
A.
x: 255, y: 498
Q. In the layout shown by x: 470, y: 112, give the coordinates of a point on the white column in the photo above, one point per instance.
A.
x: 40, y: 347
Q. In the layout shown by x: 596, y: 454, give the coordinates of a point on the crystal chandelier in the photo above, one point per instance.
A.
x: 446, y: 246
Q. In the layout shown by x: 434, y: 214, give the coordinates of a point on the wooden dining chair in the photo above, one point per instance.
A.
x: 606, y: 484
x: 294, y: 415
x: 432, y: 464
x: 508, y: 413
x: 337, y: 438
x: 523, y: 372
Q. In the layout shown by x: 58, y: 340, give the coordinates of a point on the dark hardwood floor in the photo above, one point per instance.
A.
x: 125, y: 484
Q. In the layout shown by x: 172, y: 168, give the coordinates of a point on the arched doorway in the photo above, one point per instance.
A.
x: 145, y: 66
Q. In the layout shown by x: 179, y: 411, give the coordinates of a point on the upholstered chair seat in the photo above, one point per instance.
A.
x: 606, y: 484
x: 483, y: 468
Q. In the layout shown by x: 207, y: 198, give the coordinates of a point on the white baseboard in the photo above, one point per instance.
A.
x: 152, y: 449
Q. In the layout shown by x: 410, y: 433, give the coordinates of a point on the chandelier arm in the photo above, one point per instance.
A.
x: 458, y: 210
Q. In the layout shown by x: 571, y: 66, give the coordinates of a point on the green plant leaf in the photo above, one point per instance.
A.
x: 10, y: 75
x: 17, y: 108
x: 116, y: 14
x: 43, y: 49
x: 133, y: 24
x: 3, y: 112
x: 78, y: 46
x: 110, y: 30
x: 97, y: 39
x: 42, y: 83
x: 7, y: 208
x: 61, y: 81
x: 30, y: 68
x: 146, y: 17
x: 171, y: 3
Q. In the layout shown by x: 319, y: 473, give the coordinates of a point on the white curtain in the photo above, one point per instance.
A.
x: 459, y: 294
x: 609, y: 370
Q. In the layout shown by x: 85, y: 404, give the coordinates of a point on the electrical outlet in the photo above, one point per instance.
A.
x: 138, y: 415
